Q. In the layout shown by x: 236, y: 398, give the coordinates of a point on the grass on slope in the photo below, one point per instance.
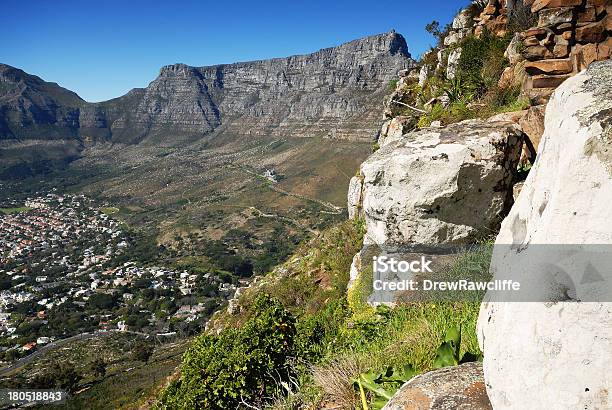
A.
x: 335, y: 339
x: 8, y: 211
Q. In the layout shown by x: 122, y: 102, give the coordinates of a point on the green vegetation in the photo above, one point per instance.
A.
x: 7, y: 211
x: 475, y: 92
x: 109, y: 210
x: 240, y: 365
x: 108, y: 375
x: 296, y: 338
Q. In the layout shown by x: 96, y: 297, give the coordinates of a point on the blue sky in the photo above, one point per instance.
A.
x: 102, y: 49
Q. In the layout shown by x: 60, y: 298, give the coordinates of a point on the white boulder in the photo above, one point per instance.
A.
x: 453, y: 63
x: 557, y: 353
x: 439, y: 185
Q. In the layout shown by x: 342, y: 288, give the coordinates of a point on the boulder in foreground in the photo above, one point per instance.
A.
x: 557, y: 352
x: 449, y: 388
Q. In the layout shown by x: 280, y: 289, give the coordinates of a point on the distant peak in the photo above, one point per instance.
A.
x: 177, y: 69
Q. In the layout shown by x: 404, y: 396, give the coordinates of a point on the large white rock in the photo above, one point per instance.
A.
x: 557, y: 355
x: 440, y: 185
x: 462, y: 20
x: 453, y: 63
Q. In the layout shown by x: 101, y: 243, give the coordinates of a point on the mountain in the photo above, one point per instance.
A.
x: 188, y: 155
x: 331, y: 93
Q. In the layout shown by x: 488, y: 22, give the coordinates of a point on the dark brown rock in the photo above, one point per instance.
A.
x: 597, y: 2
x: 547, y: 81
x: 532, y: 124
x: 538, y: 52
x: 539, y: 96
x: 531, y: 41
x: 561, y: 49
x: 449, y: 388
x: 591, y: 32
x: 552, y: 66
x: 548, y: 39
x: 589, y: 14
x: 583, y: 55
x: 490, y: 9
x: 536, y: 31
x: 563, y: 27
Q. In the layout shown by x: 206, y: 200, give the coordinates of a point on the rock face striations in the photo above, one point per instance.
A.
x: 330, y: 93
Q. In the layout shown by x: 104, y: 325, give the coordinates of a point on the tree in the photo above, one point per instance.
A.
x: 433, y: 28
x: 98, y: 367
x: 142, y: 351
x: 63, y: 376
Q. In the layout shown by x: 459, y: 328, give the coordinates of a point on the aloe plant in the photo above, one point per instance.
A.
x: 449, y: 352
x: 382, y: 386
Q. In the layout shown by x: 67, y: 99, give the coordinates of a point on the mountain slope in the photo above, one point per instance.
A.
x: 30, y: 106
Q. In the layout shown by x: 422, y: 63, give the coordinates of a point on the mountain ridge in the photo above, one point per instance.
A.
x: 186, y: 102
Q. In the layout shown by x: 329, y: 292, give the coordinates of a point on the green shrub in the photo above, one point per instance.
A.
x: 238, y: 365
x: 482, y: 61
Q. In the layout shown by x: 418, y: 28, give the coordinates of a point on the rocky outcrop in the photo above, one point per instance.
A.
x: 331, y: 93
x: 439, y: 185
x: 569, y: 35
x: 557, y: 350
x: 449, y: 388
x: 493, y: 18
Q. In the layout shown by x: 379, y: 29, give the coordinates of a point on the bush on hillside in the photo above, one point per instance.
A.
x: 246, y: 365
x: 482, y: 61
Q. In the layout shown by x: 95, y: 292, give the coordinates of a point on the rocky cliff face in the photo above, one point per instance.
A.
x: 330, y: 93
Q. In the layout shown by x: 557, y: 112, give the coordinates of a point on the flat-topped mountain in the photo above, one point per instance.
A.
x: 334, y: 92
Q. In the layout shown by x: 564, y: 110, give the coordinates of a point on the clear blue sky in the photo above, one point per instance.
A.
x: 102, y: 49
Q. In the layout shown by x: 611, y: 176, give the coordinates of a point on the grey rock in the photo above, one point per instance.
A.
x: 355, y: 196
x: 453, y: 63
x: 423, y: 75
x: 450, y: 388
x: 455, y: 37
x: 512, y: 52
x: 440, y: 185
x: 554, y: 16
x: 462, y: 20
